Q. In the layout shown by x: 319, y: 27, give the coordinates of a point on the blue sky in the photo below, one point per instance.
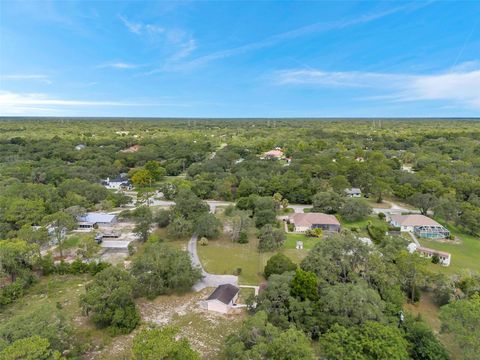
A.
x: 240, y: 59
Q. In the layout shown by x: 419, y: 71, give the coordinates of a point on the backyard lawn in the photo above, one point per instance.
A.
x: 222, y: 256
x: 308, y: 242
x: 465, y: 255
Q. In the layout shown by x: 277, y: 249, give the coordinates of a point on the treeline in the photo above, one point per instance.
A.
x: 347, y: 297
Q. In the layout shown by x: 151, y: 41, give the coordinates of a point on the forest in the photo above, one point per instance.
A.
x: 335, y: 298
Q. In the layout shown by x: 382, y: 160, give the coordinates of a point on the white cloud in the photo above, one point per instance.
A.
x: 141, y: 28
x: 26, y: 77
x: 119, y: 65
x: 453, y: 85
x: 293, y: 34
x: 12, y: 103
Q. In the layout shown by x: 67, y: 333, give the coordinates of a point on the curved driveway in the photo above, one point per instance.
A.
x: 208, y: 280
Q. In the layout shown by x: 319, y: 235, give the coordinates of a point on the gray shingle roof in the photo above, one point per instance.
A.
x: 224, y: 293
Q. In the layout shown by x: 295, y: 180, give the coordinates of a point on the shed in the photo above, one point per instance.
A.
x: 223, y: 298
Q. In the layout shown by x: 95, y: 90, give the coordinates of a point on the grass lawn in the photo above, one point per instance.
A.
x: 56, y: 291
x: 308, y: 242
x: 465, y: 255
x: 222, y: 256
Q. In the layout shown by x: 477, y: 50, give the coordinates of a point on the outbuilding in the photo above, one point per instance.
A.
x: 353, y: 192
x: 223, y: 298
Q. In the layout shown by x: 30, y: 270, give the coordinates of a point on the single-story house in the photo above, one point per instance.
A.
x: 444, y: 257
x: 308, y: 221
x: 353, y: 192
x: 277, y: 153
x: 420, y: 225
x: 120, y: 182
x: 222, y: 299
x: 91, y: 220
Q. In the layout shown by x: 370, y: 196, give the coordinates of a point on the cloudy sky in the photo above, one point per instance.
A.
x: 240, y: 59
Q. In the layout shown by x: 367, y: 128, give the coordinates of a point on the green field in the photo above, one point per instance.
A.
x: 308, y: 242
x: 222, y: 256
x: 60, y: 291
x: 465, y: 255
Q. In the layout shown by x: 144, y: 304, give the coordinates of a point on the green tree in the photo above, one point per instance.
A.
x: 180, y: 227
x: 163, y: 218
x: 30, y: 348
x: 161, y: 269
x: 157, y: 172
x: 259, y: 339
x: 207, y: 225
x: 304, y: 285
x: 423, y: 202
x: 87, y: 247
x: 278, y: 264
x: 16, y: 257
x: 424, y: 343
x: 369, y: 341
x: 355, y: 209
x: 60, y: 222
x: 188, y: 205
x: 413, y: 269
x: 270, y: 238
x: 142, y: 177
x: 143, y: 222
x: 108, y: 300
x: 461, y: 318
x: 158, y: 344
x: 327, y: 202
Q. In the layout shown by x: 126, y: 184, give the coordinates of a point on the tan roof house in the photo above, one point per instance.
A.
x: 307, y: 221
x: 420, y: 225
x: 277, y: 153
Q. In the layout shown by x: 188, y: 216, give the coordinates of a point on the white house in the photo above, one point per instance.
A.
x: 91, y: 220
x: 420, y: 225
x: 353, y: 192
x: 222, y: 299
x: 120, y: 182
x: 444, y: 257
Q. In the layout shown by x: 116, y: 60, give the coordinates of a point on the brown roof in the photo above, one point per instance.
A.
x: 414, y: 220
x: 309, y: 219
x: 274, y: 153
x: 432, y: 251
x: 224, y: 293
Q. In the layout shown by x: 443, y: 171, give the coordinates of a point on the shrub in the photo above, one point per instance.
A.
x: 278, y: 264
x: 203, y: 241
x: 243, y: 238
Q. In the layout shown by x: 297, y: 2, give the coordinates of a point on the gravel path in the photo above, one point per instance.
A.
x: 209, y: 280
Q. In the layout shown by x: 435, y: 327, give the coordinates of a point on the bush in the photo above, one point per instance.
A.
x: 355, y: 209
x: 381, y: 216
x: 243, y: 238
x: 291, y: 227
x: 163, y: 218
x: 108, y: 300
x: 237, y: 271
x: 278, y: 264
x: 435, y: 259
x: 203, y: 241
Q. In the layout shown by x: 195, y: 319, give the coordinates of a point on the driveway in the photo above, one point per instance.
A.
x: 209, y: 280
x: 298, y: 208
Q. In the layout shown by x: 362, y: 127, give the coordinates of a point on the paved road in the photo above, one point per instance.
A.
x: 209, y: 280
